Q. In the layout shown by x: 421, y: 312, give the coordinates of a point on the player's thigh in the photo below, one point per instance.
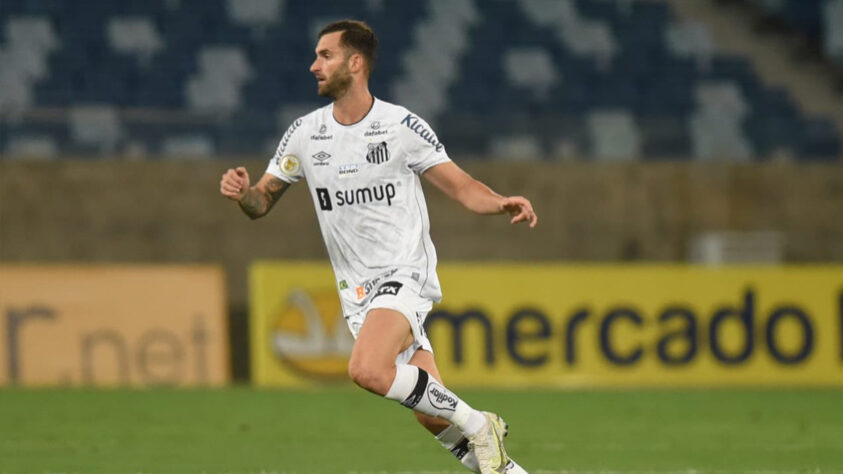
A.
x: 385, y: 333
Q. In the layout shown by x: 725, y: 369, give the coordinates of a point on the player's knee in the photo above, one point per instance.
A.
x: 369, y: 377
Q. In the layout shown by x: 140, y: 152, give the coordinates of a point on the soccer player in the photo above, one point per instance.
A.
x: 362, y: 158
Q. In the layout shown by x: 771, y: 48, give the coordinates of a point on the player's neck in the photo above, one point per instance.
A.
x: 353, y: 105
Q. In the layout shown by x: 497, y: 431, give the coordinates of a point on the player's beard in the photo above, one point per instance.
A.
x: 337, y: 85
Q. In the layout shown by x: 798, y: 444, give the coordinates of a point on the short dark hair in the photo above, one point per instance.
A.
x: 358, y: 36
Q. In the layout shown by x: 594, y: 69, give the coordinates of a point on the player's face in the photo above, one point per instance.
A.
x: 330, y: 67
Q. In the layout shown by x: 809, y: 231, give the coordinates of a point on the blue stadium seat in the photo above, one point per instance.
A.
x: 643, y: 77
x: 665, y: 136
x: 819, y: 140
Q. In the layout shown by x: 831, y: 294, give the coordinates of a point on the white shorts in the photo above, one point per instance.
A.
x: 402, y: 295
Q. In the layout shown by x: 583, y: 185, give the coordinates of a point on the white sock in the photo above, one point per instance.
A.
x: 451, y: 439
x: 416, y: 389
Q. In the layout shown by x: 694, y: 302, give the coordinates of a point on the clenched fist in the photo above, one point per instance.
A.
x: 234, y: 183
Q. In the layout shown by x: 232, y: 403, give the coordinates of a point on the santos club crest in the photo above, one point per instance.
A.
x: 378, y: 153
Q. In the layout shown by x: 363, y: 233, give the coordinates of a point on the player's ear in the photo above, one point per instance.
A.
x: 356, y: 62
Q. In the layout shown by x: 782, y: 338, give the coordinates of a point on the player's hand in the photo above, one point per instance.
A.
x: 235, y: 183
x: 520, y: 209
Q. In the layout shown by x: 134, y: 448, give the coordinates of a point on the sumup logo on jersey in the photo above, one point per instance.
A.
x: 310, y: 335
x: 349, y: 197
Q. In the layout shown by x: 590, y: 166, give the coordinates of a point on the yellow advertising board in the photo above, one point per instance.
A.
x: 139, y: 325
x: 576, y: 326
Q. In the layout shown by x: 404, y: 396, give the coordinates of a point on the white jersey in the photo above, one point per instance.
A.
x: 364, y: 179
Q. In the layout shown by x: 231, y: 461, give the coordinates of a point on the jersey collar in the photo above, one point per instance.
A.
x: 375, y: 102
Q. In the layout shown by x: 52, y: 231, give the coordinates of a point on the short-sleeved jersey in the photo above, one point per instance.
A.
x: 364, y: 179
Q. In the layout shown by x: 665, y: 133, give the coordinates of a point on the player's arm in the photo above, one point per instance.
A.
x: 476, y: 196
x: 256, y: 200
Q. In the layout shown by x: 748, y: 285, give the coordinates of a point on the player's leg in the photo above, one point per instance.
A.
x: 448, y: 435
x: 385, y: 334
x: 424, y: 360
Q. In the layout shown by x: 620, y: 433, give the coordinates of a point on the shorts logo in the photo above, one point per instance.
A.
x: 324, y: 199
x: 378, y: 153
x: 368, y: 285
x: 440, y: 398
x: 388, y: 288
x: 289, y: 165
x: 343, y: 285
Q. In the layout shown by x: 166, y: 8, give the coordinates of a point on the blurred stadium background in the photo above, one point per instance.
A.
x: 678, y: 309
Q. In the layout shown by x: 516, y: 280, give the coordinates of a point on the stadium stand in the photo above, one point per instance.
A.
x: 821, y: 21
x: 833, y: 24
x: 538, y: 79
x: 803, y: 15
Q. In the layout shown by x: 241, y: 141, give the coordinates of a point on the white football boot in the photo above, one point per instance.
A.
x: 487, y: 445
x: 511, y: 467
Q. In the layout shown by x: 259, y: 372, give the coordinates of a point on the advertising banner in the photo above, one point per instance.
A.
x: 139, y: 325
x: 541, y: 325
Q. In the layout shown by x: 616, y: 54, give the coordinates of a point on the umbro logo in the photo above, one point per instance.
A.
x: 378, y: 153
x: 320, y: 158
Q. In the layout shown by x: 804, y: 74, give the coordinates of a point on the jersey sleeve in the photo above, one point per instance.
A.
x: 286, y: 163
x: 423, y: 146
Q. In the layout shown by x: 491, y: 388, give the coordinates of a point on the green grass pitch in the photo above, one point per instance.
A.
x: 243, y: 430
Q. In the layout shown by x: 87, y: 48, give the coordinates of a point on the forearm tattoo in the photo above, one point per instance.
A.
x: 256, y: 203
x: 274, y: 189
x: 253, y: 204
